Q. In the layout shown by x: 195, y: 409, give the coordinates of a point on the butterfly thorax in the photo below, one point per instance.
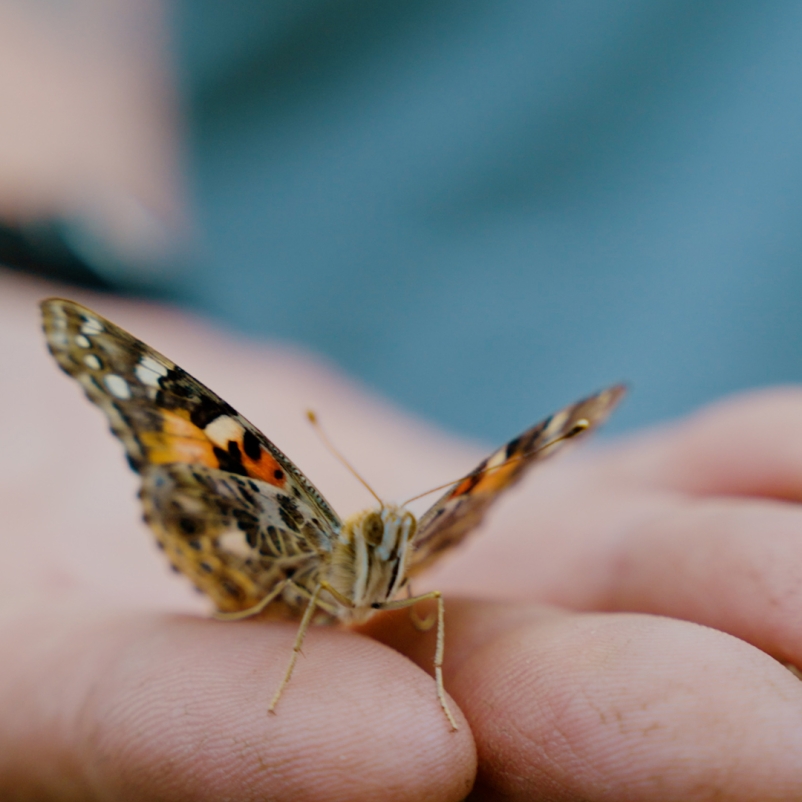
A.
x: 369, y: 559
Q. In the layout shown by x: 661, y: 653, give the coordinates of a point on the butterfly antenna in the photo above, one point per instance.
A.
x: 312, y: 417
x: 580, y: 426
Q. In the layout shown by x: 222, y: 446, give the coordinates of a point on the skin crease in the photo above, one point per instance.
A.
x: 611, y: 633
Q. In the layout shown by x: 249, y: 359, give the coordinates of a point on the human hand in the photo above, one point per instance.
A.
x: 105, y: 694
x: 694, y: 522
x: 114, y: 682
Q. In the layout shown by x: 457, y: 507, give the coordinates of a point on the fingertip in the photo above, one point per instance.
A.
x: 355, y: 722
x: 176, y: 708
x: 645, y: 707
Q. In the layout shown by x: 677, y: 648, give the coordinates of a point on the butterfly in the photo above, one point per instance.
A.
x: 236, y: 516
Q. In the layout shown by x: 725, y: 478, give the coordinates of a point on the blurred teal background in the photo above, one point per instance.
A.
x: 485, y: 210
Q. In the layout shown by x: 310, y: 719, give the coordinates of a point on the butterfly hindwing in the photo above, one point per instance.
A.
x: 234, y: 537
x: 464, y: 505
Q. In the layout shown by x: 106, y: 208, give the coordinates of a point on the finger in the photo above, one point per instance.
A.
x: 615, y: 706
x: 750, y: 444
x: 732, y: 564
x: 156, y: 707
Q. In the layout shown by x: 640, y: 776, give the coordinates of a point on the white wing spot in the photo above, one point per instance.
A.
x: 150, y: 363
x: 91, y: 361
x: 117, y: 386
x: 149, y: 371
x: 223, y: 429
x: 91, y: 325
x: 556, y: 423
x: 499, y: 458
x: 82, y: 341
x: 234, y: 543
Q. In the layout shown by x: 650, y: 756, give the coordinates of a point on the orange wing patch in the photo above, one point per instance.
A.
x: 490, y: 482
x: 178, y: 441
x: 265, y: 468
x: 237, y: 449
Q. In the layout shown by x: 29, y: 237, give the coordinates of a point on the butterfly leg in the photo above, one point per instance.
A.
x: 256, y: 609
x: 438, y: 652
x: 299, y: 639
x: 421, y: 624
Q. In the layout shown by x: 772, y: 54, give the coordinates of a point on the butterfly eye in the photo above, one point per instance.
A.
x: 373, y: 529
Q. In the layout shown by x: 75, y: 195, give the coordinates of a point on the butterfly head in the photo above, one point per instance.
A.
x: 368, y: 565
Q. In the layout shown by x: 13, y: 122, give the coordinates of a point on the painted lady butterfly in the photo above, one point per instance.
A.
x: 242, y: 522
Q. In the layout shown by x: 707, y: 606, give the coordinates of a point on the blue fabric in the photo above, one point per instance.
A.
x: 486, y: 210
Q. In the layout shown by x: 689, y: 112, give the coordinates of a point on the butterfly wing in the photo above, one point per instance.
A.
x: 464, y: 505
x: 204, y: 467
x: 235, y: 538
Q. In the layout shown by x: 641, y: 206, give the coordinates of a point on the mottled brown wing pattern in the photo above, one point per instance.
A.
x: 176, y: 430
x: 236, y: 538
x: 464, y: 505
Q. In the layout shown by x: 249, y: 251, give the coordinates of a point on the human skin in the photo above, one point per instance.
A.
x: 612, y: 633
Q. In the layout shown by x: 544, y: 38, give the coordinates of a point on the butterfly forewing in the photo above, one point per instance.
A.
x: 216, y: 491
x: 464, y: 505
